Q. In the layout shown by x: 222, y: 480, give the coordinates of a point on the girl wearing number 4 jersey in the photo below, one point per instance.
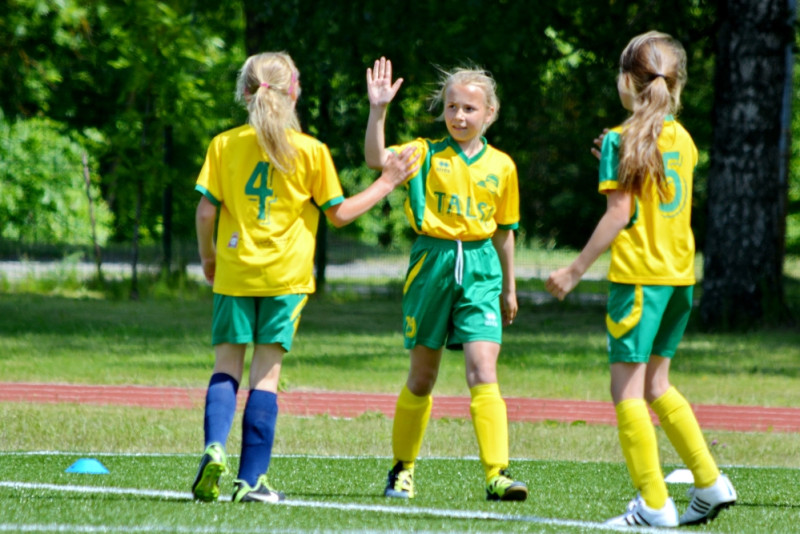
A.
x: 267, y: 183
x: 646, y: 169
x: 460, y: 289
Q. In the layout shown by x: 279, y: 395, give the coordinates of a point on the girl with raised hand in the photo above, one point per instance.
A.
x: 460, y: 289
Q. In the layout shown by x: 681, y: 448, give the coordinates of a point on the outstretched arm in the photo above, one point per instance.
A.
x: 397, y: 169
x: 380, y: 91
x: 613, y: 221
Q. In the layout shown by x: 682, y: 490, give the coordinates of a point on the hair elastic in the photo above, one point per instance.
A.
x: 293, y: 84
x: 264, y: 84
x: 658, y: 75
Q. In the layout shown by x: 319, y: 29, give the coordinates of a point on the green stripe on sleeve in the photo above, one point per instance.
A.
x: 332, y: 202
x: 206, y: 193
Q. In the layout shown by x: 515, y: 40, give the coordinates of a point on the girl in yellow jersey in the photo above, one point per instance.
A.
x: 264, y: 184
x: 646, y: 168
x: 460, y: 289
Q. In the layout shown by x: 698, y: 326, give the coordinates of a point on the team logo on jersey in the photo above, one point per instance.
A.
x: 411, y: 327
x: 491, y: 183
x: 677, y: 186
x: 443, y: 166
x: 233, y: 242
x: 490, y: 319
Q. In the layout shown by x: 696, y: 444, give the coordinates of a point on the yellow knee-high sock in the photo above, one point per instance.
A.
x: 679, y: 423
x: 410, y: 421
x: 638, y: 439
x: 490, y: 420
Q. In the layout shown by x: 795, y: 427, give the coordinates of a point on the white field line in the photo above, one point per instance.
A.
x: 352, y: 507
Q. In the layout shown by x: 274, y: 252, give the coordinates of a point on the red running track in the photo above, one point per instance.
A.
x: 344, y: 404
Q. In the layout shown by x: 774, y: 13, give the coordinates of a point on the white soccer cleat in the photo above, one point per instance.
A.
x: 639, y: 514
x: 706, y: 503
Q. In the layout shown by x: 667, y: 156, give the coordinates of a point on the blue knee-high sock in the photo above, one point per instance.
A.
x: 220, y: 408
x: 258, y: 433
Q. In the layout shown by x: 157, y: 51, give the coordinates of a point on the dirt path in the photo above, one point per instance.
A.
x: 345, y: 404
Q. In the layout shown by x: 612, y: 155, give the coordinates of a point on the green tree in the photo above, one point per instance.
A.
x: 148, y: 75
x: 555, y: 64
x: 44, y: 197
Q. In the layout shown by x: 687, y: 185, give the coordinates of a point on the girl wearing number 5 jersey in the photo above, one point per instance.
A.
x: 646, y: 169
x: 265, y: 183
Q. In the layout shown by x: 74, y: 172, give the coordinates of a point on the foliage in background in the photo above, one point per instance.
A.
x: 44, y: 194
x: 156, y: 79
x: 793, y: 185
x: 555, y: 64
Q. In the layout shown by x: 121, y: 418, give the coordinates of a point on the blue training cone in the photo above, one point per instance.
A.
x: 88, y: 466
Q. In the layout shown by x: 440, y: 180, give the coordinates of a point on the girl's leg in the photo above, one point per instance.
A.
x: 411, y: 415
x: 487, y: 407
x: 219, y: 412
x: 679, y: 423
x: 490, y: 420
x: 221, y: 395
x: 414, y: 403
x: 637, y: 435
x: 260, y: 413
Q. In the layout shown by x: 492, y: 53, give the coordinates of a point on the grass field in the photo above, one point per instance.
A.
x: 333, y: 470
x: 148, y: 493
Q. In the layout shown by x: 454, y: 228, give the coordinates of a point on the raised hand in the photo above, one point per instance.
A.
x: 380, y: 88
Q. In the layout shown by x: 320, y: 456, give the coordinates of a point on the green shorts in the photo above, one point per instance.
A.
x: 452, y: 294
x: 260, y: 320
x: 644, y: 320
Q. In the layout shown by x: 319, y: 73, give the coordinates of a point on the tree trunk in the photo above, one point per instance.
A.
x: 166, y: 205
x: 743, y: 269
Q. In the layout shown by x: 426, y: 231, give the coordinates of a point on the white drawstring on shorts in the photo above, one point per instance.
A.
x: 459, y: 274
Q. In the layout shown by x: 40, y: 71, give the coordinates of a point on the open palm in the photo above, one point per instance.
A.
x: 380, y: 88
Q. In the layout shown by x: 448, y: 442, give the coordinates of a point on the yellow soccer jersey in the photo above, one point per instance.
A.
x: 268, y: 219
x: 657, y: 246
x: 455, y: 197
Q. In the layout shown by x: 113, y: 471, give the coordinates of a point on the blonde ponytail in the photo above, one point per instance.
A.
x: 268, y: 87
x: 655, y: 64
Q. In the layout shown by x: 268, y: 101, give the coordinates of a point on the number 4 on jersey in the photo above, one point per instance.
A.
x: 259, y: 185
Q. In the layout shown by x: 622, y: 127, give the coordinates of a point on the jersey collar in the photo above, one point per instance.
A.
x: 457, y: 148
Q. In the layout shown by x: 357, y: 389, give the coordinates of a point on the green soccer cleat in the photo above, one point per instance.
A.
x: 263, y: 492
x: 400, y: 483
x: 503, y: 488
x: 213, y: 464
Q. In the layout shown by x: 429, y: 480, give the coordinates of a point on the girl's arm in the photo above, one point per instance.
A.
x: 205, y: 216
x: 397, y: 169
x: 380, y: 91
x: 615, y: 219
x: 503, y: 241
